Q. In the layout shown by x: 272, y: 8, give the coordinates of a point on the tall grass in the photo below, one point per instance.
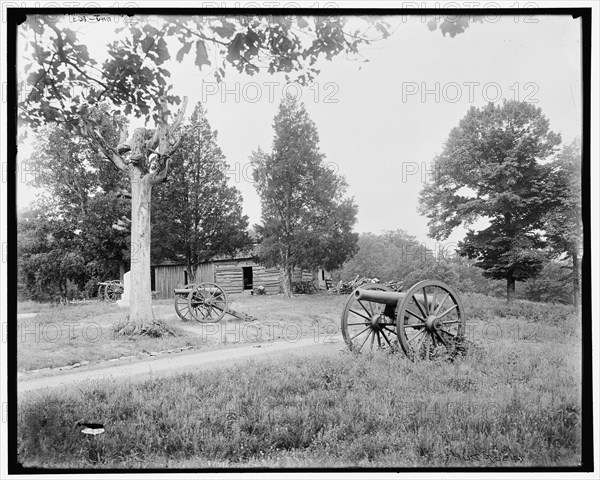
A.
x: 69, y: 334
x: 511, y: 402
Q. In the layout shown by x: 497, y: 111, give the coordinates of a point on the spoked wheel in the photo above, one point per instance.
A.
x: 182, y: 306
x: 367, y: 326
x: 207, y: 302
x: 101, y: 292
x: 430, y: 319
x: 113, y: 291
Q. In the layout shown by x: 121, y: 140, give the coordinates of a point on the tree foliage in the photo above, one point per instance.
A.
x: 197, y: 215
x: 48, y: 258
x: 552, y: 285
x: 563, y: 224
x: 66, y: 81
x: 306, y: 220
x: 135, y: 74
x: 493, y: 167
x: 399, y: 256
x: 390, y: 256
x: 396, y: 255
x: 84, y: 197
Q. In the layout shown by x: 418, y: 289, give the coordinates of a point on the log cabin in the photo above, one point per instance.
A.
x: 241, y: 274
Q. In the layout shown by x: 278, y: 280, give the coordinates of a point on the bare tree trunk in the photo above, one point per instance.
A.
x: 286, y: 281
x: 191, y: 272
x: 510, y: 289
x: 139, y: 147
x: 140, y: 300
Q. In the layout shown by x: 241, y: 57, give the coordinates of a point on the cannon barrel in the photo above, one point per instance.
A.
x: 186, y: 291
x: 378, y: 296
x: 387, y: 298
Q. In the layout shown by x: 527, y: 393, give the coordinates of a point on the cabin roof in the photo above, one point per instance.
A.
x: 241, y: 255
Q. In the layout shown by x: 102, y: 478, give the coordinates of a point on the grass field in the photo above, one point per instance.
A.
x: 513, y: 400
x: 69, y: 334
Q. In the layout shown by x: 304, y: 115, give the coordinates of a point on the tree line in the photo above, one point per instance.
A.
x: 76, y: 234
x: 515, y: 176
x: 504, y: 156
x: 133, y: 80
x: 397, y: 255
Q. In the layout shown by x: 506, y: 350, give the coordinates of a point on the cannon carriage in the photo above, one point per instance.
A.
x: 426, y: 319
x: 204, y: 302
x: 110, y: 290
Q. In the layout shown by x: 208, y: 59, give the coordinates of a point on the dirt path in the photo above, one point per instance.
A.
x: 177, y: 363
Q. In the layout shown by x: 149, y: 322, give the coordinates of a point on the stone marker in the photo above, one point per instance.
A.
x: 124, y: 302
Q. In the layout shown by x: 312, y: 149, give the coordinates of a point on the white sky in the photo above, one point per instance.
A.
x: 378, y: 126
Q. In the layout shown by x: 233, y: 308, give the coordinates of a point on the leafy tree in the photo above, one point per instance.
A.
x: 67, y: 86
x: 306, y: 221
x: 563, y: 226
x: 197, y: 215
x: 85, y: 192
x: 397, y: 255
x: 47, y: 259
x: 390, y: 256
x: 492, y: 167
x: 135, y: 78
x: 552, y: 285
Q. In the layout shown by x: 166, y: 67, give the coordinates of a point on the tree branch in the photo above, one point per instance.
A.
x: 64, y: 58
x: 108, y: 151
x: 159, y: 176
x: 178, y: 117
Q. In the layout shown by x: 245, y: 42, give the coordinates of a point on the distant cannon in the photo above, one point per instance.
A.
x: 427, y: 318
x: 110, y: 290
x: 204, y: 302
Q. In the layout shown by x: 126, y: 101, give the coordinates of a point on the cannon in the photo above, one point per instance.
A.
x: 110, y: 290
x: 427, y: 318
x: 204, y: 302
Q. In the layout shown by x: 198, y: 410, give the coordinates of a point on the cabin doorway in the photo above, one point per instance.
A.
x: 247, y: 274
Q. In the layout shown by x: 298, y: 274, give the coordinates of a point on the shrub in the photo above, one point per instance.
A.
x: 260, y: 290
x: 73, y: 292
x: 91, y: 287
x: 304, y: 287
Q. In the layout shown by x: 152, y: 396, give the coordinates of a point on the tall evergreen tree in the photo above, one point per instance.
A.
x: 492, y: 167
x: 306, y: 220
x: 197, y: 215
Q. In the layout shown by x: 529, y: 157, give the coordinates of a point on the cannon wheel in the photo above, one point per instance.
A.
x: 113, y: 290
x: 365, y: 325
x: 207, y: 302
x: 182, y: 305
x: 101, y: 292
x: 429, y: 318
